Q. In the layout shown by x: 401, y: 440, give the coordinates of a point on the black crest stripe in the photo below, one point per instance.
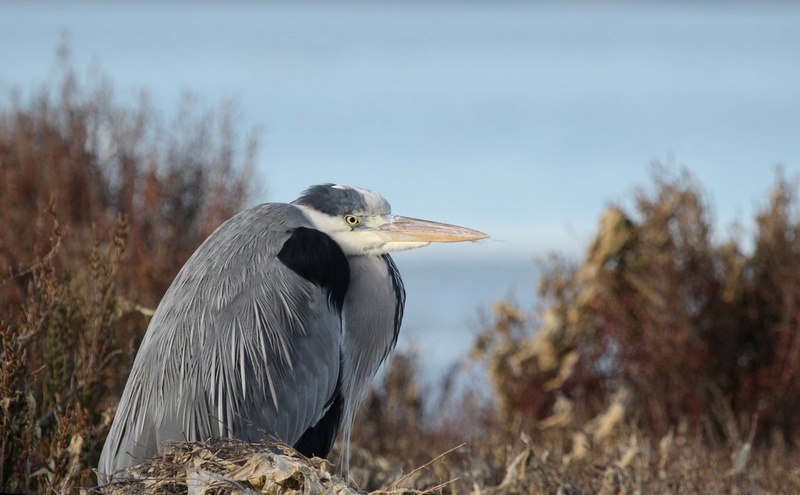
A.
x: 332, y: 200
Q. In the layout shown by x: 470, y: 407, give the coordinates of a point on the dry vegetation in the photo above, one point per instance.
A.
x: 100, y: 205
x: 666, y: 361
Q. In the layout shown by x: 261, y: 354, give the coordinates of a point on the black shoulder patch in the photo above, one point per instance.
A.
x: 318, y: 259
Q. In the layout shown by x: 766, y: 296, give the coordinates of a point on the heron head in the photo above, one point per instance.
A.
x: 361, y: 222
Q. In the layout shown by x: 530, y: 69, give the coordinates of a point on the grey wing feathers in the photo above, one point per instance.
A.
x: 238, y: 340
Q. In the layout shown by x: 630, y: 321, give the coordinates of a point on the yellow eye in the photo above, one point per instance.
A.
x: 352, y: 220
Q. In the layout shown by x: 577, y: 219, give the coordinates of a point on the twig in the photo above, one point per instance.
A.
x: 405, y: 477
x: 56, y: 244
x: 439, y: 486
x: 64, y: 399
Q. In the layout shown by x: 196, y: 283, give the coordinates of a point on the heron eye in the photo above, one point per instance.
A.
x: 352, y: 220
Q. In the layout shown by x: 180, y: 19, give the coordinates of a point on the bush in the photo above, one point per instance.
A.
x: 677, y: 328
x: 101, y: 204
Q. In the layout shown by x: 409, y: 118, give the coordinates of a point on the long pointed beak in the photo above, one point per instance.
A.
x: 406, y: 229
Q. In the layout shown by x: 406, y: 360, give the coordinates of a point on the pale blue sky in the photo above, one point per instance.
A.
x: 519, y: 119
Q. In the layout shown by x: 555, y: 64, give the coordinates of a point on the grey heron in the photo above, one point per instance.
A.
x: 275, y: 326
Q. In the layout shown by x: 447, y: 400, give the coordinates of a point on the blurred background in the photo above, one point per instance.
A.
x: 525, y: 120
x: 520, y: 119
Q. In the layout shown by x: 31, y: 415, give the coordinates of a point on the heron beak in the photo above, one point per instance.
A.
x: 406, y: 229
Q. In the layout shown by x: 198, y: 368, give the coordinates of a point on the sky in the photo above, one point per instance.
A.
x: 520, y: 119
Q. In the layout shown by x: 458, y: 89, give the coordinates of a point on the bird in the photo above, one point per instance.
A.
x: 274, y: 327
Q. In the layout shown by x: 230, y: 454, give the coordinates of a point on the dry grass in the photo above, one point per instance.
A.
x: 608, y: 453
x: 627, y: 464
x: 227, y: 466
x: 232, y: 466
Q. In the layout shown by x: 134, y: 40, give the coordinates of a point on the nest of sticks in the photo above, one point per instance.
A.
x: 228, y: 466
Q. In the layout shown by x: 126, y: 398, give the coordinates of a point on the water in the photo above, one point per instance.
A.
x: 446, y: 301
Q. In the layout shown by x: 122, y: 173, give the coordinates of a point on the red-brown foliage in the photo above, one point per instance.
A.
x: 689, y: 328
x: 101, y: 204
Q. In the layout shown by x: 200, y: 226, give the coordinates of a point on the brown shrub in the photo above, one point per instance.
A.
x: 101, y: 204
x: 687, y: 328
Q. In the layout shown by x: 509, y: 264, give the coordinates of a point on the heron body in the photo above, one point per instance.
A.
x: 273, y: 328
